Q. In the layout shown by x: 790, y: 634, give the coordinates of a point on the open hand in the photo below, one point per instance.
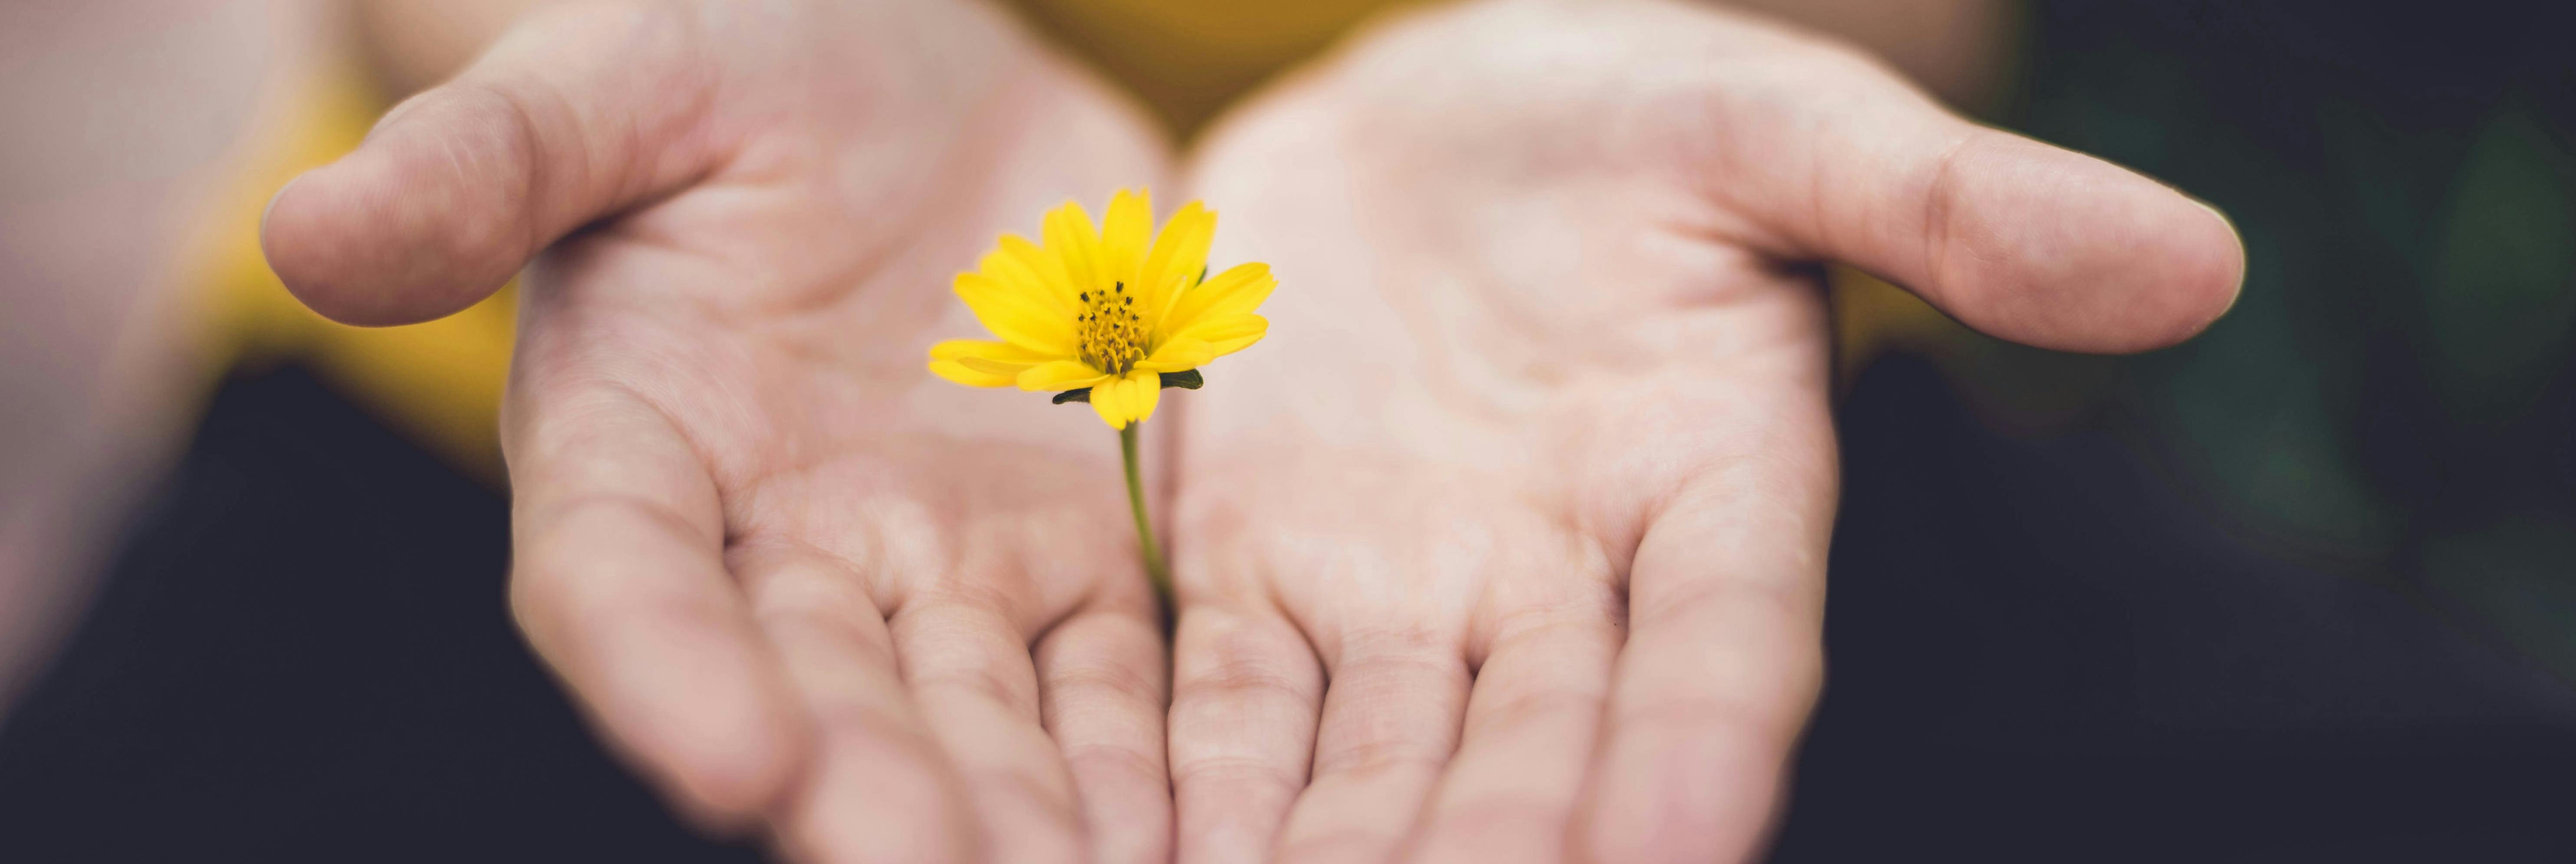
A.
x: 797, y: 579
x: 1509, y: 545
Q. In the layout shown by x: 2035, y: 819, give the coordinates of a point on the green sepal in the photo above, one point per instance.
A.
x: 1186, y: 379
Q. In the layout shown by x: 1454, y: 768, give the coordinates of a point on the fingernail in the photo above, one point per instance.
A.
x: 271, y: 207
x: 2242, y: 265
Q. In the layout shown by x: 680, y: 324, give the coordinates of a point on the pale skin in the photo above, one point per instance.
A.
x: 1507, y: 544
x: 800, y: 583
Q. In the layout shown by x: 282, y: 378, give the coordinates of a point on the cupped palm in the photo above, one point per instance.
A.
x: 795, y: 577
x: 1510, y: 542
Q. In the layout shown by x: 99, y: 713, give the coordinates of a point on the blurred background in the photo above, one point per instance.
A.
x: 2303, y: 588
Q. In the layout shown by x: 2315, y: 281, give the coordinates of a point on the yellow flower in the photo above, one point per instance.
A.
x: 1099, y: 308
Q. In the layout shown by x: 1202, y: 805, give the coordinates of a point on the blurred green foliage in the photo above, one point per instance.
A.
x: 2394, y: 396
x: 2498, y: 300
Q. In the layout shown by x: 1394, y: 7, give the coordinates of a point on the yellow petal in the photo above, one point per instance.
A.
x: 1071, y: 240
x: 1109, y: 400
x: 954, y: 349
x: 1233, y: 345
x: 1060, y: 375
x: 1026, y: 320
x: 994, y: 367
x: 1144, y: 391
x: 1179, y: 254
x: 1226, y: 335
x: 979, y: 363
x: 1178, y: 355
x: 1020, y: 275
x: 1124, y: 231
x: 955, y: 371
x: 1048, y: 268
x: 1238, y: 290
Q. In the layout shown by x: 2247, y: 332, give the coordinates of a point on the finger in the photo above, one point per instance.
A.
x: 1391, y: 718
x: 1101, y: 676
x: 572, y: 116
x: 1246, y: 691
x: 2013, y: 237
x: 620, y: 585
x: 1722, y: 661
x: 969, y: 669
x: 1532, y: 722
x: 878, y: 787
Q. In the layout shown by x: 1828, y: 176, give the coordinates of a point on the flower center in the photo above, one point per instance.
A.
x: 1113, y: 336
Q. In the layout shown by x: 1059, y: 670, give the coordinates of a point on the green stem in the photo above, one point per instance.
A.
x: 1155, y: 570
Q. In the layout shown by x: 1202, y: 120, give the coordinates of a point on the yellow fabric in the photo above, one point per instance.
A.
x: 441, y: 381
x: 1872, y: 317
x: 1188, y: 58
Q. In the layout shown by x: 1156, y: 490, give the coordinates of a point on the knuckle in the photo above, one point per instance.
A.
x: 1116, y: 681
x: 1231, y: 776
x: 1377, y: 757
x: 1126, y: 764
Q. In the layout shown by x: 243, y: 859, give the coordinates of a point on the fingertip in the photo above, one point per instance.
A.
x: 1247, y: 696
x: 719, y: 740
x: 708, y: 715
x: 869, y: 801
x: 2180, y: 271
x: 2221, y: 277
x: 668, y: 668
x: 270, y: 208
x: 1677, y: 798
x: 421, y: 221
x: 1105, y: 692
x: 2065, y: 251
x: 724, y: 782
